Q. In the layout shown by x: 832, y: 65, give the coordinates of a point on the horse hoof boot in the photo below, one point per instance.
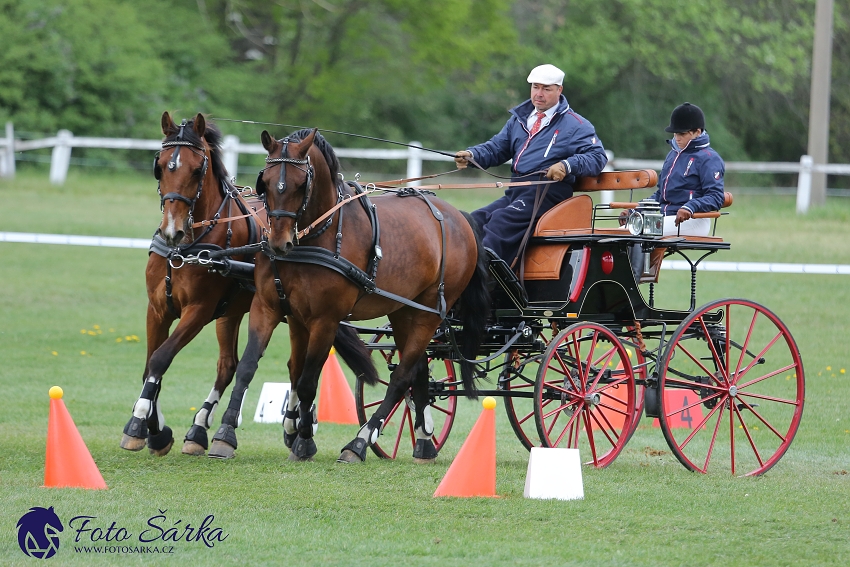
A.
x: 221, y: 450
x: 160, y: 444
x: 354, y: 452
x: 224, y: 443
x: 424, y: 452
x: 193, y: 449
x: 195, y: 442
x: 135, y: 434
x: 303, y: 449
x: 289, y: 439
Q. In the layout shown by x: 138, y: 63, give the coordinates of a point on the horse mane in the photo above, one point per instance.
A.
x: 213, y: 137
x: 323, y: 145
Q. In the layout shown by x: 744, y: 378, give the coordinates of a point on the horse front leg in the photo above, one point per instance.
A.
x: 148, y: 423
x: 196, y: 441
x: 261, y: 326
x: 310, y: 348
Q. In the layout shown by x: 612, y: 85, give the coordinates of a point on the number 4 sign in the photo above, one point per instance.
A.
x: 689, y: 416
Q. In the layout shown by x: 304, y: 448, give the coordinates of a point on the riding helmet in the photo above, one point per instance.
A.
x: 686, y: 117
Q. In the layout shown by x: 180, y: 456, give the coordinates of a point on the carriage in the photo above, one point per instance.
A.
x: 572, y: 340
x: 581, y: 351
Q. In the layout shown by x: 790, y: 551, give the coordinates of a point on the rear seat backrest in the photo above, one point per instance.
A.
x: 574, y: 213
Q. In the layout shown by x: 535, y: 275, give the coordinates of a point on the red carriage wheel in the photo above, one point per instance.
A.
x: 521, y: 368
x: 731, y: 388
x: 584, y: 396
x: 398, y: 430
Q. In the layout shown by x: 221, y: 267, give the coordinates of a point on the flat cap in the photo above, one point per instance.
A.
x: 546, y: 75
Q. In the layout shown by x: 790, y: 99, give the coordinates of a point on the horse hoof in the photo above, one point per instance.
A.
x: 161, y: 452
x: 133, y: 443
x: 419, y: 461
x: 296, y: 459
x: 192, y: 448
x: 349, y: 457
x: 221, y: 450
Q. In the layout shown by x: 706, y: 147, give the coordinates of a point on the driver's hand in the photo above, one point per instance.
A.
x: 624, y: 216
x: 462, y: 158
x: 683, y: 215
x: 557, y: 172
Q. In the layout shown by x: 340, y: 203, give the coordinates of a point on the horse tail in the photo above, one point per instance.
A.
x: 355, y: 354
x: 474, y: 307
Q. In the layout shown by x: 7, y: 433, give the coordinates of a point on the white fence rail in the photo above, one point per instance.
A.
x: 65, y: 141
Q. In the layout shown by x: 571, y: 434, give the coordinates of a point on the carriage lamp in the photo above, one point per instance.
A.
x: 646, y: 219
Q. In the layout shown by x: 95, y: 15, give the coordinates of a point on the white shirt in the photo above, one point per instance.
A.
x: 532, y: 118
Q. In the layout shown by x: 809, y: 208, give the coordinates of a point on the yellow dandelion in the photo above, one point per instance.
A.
x: 787, y: 377
x: 92, y: 333
x: 118, y: 339
x: 829, y: 368
x: 54, y: 353
x: 83, y: 331
x: 756, y: 427
x: 842, y: 371
x: 128, y: 338
x: 96, y: 327
x: 191, y: 409
x: 82, y: 352
x: 111, y: 330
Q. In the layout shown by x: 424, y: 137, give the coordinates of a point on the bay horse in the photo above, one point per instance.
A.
x: 407, y: 257
x: 194, y: 184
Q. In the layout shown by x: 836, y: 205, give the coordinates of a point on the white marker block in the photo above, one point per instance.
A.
x: 270, y: 407
x: 554, y: 473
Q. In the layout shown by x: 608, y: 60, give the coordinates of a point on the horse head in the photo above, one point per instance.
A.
x: 180, y: 168
x: 286, y: 185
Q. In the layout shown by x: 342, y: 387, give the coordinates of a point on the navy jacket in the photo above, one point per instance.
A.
x: 568, y: 137
x: 691, y: 178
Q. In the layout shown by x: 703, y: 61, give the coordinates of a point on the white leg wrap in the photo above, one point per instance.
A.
x: 204, y: 418
x: 291, y: 403
x: 429, y: 421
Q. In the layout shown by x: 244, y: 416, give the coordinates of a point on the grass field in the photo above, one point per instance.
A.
x: 63, y: 309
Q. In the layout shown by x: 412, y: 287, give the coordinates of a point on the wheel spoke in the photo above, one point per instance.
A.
x: 718, y: 360
x: 700, y: 425
x: 571, y: 423
x: 607, y: 356
x: 759, y: 356
x: 699, y: 363
x: 746, y: 343
x: 713, y: 440
x: 766, y: 376
x: 602, y: 427
x: 747, y: 433
x: 761, y: 419
x: 590, y: 440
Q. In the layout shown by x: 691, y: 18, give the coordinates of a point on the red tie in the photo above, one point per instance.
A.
x: 537, y: 123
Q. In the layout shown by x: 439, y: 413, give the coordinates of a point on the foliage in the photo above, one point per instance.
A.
x: 439, y: 72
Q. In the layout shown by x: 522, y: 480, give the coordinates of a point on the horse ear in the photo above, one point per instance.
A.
x: 168, y: 125
x: 268, y: 141
x: 306, y: 143
x: 200, y: 124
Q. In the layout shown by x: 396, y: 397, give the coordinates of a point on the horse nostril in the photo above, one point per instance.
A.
x: 287, y: 248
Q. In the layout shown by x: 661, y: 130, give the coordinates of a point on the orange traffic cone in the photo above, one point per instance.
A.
x: 473, y: 472
x: 68, y: 463
x: 336, y: 402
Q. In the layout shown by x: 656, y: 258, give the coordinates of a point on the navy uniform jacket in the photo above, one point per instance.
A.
x: 691, y: 178
x: 568, y: 137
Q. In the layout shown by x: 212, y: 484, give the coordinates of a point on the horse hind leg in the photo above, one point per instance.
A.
x: 424, y: 450
x: 196, y: 441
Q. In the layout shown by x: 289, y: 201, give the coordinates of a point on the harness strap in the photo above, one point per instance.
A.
x: 441, y: 289
x: 323, y: 257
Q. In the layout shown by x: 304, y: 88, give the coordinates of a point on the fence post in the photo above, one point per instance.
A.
x: 230, y: 155
x: 804, y: 184
x: 414, y: 162
x: 61, y: 157
x: 7, y: 159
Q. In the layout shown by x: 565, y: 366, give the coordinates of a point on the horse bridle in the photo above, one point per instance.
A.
x: 172, y: 165
x: 281, y: 183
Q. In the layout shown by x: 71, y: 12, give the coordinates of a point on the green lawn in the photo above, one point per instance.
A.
x: 645, y: 509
